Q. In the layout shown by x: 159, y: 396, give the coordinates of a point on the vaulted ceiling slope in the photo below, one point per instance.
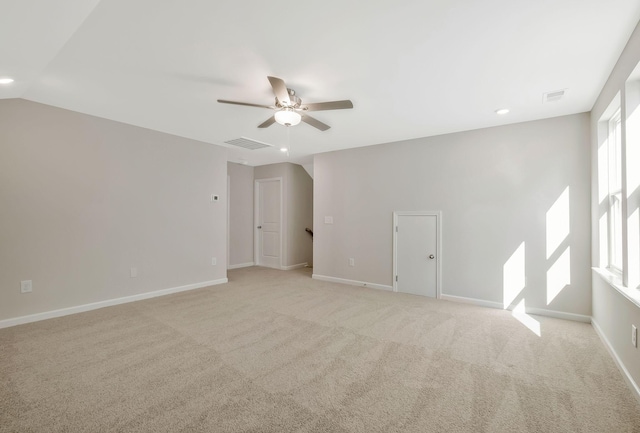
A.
x: 412, y: 68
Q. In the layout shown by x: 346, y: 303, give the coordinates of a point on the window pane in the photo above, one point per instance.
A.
x: 615, y: 154
x: 615, y: 195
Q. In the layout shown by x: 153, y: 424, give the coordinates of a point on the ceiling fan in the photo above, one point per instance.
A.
x: 289, y: 107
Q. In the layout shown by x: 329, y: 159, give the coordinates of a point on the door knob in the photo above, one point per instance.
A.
x: 431, y: 256
x: 259, y: 227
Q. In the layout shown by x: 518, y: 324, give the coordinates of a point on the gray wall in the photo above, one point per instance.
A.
x: 298, y: 210
x: 494, y: 187
x: 240, y: 214
x: 613, y: 313
x: 84, y: 199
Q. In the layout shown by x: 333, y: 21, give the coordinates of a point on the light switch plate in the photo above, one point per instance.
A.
x: 26, y: 286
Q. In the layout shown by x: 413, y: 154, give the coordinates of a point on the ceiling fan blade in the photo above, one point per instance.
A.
x: 280, y: 90
x: 224, y: 101
x: 333, y: 105
x: 267, y: 123
x: 315, y: 123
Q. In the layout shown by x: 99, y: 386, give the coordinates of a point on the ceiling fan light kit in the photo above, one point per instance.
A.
x: 287, y: 117
x: 288, y: 107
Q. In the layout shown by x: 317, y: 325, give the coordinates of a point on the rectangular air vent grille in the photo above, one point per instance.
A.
x: 554, y: 96
x: 248, y: 143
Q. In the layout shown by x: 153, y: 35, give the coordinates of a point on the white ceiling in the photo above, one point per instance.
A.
x: 412, y: 68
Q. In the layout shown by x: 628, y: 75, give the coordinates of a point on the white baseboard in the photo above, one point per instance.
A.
x: 528, y: 310
x: 351, y: 282
x: 625, y: 373
x: 101, y: 304
x: 472, y: 301
x: 559, y: 315
x: 241, y: 265
x: 298, y: 266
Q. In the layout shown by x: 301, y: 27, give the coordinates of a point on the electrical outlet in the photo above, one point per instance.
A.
x: 328, y: 220
x: 634, y: 335
x: 352, y: 262
x: 134, y: 272
x: 26, y: 286
x: 214, y: 261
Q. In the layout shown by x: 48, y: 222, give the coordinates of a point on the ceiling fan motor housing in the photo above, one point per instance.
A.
x: 295, y: 102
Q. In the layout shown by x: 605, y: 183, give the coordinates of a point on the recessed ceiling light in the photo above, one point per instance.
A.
x: 6, y: 80
x: 502, y: 111
x: 283, y: 149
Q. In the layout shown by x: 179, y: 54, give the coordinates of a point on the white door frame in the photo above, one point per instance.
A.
x: 256, y: 217
x: 438, y: 215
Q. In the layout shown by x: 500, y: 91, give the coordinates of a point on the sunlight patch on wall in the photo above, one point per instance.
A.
x: 520, y: 313
x: 633, y: 137
x: 558, y: 222
x: 632, y: 131
x: 603, y: 168
x: 559, y: 275
x: 604, y: 241
x: 514, y: 276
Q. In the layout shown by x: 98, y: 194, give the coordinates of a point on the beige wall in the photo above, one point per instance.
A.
x: 298, y: 210
x: 240, y: 214
x: 495, y: 188
x: 84, y: 199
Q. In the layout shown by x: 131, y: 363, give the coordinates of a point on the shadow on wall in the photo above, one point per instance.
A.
x: 558, y: 259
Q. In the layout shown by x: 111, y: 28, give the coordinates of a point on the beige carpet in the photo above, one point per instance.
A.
x: 275, y: 351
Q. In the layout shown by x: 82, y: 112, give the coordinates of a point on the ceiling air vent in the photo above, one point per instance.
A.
x: 248, y: 143
x: 554, y: 96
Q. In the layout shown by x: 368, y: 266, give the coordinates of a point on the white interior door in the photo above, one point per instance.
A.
x: 269, y: 222
x: 416, y: 253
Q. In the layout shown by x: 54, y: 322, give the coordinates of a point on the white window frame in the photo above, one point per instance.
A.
x: 614, y: 169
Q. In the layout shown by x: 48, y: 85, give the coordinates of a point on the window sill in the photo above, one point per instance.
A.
x: 615, y: 281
